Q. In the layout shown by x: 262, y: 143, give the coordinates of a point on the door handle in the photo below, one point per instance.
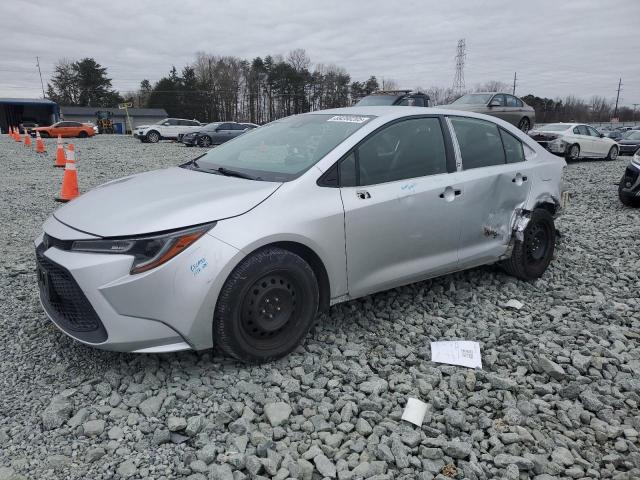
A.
x: 450, y: 193
x: 363, y: 194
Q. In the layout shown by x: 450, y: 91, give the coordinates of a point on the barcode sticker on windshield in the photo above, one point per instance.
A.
x: 348, y: 119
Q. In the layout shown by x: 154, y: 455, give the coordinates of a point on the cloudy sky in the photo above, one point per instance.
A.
x: 558, y: 47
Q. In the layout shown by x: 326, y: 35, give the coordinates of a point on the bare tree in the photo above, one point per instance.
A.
x: 299, y: 59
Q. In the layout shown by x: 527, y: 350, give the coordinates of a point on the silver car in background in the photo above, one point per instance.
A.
x: 502, y: 105
x: 242, y: 246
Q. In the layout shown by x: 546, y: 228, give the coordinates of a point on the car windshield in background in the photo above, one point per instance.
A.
x: 631, y: 135
x: 211, y: 126
x: 284, y: 149
x: 553, y: 127
x: 377, y: 100
x: 474, y: 99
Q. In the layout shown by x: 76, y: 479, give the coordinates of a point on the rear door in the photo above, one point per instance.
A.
x: 225, y: 132
x: 401, y: 212
x: 494, y: 179
x: 514, y: 109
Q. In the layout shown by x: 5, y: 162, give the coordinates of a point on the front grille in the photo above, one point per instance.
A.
x: 64, y: 300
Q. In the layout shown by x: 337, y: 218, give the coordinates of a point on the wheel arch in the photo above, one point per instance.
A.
x: 314, y: 261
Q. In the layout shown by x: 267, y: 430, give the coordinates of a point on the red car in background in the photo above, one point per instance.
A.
x: 65, y: 129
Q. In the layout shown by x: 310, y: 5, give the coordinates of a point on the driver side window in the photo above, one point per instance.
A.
x: 407, y: 149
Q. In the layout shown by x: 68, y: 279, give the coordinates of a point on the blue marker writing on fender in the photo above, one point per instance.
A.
x: 200, y: 265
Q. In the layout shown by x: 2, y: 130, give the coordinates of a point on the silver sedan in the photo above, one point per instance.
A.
x: 502, y: 105
x: 243, y: 246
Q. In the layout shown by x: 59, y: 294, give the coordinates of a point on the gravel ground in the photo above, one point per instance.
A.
x: 557, y: 398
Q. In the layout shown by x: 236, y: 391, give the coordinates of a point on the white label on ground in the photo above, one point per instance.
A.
x: 414, y: 411
x: 459, y: 352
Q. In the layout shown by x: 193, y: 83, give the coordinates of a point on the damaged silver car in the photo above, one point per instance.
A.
x: 242, y: 246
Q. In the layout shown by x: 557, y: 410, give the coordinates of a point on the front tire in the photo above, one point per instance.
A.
x: 204, y: 141
x: 153, y: 137
x: 266, y: 306
x: 531, y: 255
x: 613, y: 153
x: 524, y: 124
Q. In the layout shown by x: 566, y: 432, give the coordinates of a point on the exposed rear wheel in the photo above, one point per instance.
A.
x: 531, y: 255
x: 574, y: 152
x: 266, y: 307
x: 82, y: 135
x: 524, y: 125
x: 44, y: 134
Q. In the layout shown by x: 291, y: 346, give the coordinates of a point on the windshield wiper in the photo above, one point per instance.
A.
x: 235, y: 173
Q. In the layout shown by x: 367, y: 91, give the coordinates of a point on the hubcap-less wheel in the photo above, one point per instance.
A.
x: 537, y: 242
x: 524, y: 125
x: 574, y: 152
x: 613, y: 153
x: 268, y: 307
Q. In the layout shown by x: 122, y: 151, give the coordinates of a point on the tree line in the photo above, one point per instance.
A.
x: 217, y: 88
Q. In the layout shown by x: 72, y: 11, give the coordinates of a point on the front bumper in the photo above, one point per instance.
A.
x: 94, y: 299
x: 139, y: 135
x: 629, y: 150
x: 189, y: 140
x: 630, y: 182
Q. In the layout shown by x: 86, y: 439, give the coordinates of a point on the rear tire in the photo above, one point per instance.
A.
x: 44, y: 135
x: 613, y: 153
x: 531, y: 256
x: 83, y: 135
x: 153, y: 137
x: 524, y: 125
x: 266, y: 306
x: 574, y: 152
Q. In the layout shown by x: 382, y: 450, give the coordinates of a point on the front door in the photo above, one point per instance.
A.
x: 499, y: 109
x: 494, y: 182
x: 401, y: 214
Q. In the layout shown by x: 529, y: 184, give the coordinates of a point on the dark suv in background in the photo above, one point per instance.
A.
x: 405, y: 98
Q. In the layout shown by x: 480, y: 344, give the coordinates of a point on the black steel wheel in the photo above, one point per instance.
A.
x: 83, y: 134
x: 267, y: 305
x: 532, y: 254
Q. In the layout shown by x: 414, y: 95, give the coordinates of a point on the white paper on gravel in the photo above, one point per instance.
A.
x: 414, y: 411
x: 460, y: 352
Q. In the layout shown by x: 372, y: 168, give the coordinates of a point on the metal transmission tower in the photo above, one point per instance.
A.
x: 458, y: 81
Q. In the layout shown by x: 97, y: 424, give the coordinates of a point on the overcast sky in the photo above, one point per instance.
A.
x: 558, y: 47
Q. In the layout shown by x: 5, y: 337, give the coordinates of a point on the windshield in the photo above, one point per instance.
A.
x: 377, y: 100
x: 474, y: 99
x: 282, y: 150
x: 553, y: 127
x: 211, y: 126
x: 631, y: 135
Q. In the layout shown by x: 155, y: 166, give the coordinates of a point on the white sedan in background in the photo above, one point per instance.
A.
x: 575, y: 141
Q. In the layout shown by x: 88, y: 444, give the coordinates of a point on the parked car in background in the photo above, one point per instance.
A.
x: 629, y: 188
x: 614, y: 133
x: 574, y: 141
x: 244, y: 245
x: 65, y: 130
x: 502, y: 105
x: 250, y: 126
x: 629, y: 143
x: 214, y: 134
x: 404, y: 98
x: 167, y: 129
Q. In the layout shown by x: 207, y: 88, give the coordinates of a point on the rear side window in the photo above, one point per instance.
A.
x: 171, y: 121
x: 513, y: 101
x: 480, y: 142
x: 407, y: 149
x: 512, y: 147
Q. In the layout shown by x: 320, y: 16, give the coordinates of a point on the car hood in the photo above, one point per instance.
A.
x: 629, y: 142
x: 162, y: 200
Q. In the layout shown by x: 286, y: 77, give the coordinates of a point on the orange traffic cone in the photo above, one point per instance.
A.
x: 27, y: 138
x: 39, y: 143
x: 17, y: 135
x: 60, y: 157
x: 69, y: 189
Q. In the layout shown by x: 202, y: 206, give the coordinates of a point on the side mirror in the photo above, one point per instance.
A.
x: 494, y: 103
x: 602, y: 135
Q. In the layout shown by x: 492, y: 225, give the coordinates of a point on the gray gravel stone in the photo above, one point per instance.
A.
x: 93, y: 428
x: 551, y: 368
x: 325, y: 466
x: 277, y: 413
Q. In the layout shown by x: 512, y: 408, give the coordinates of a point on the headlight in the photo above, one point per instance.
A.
x: 148, y: 252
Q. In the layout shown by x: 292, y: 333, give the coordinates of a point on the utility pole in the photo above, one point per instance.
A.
x: 458, y: 81
x: 615, y: 112
x: 635, y: 105
x: 515, y: 76
x: 40, y: 72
